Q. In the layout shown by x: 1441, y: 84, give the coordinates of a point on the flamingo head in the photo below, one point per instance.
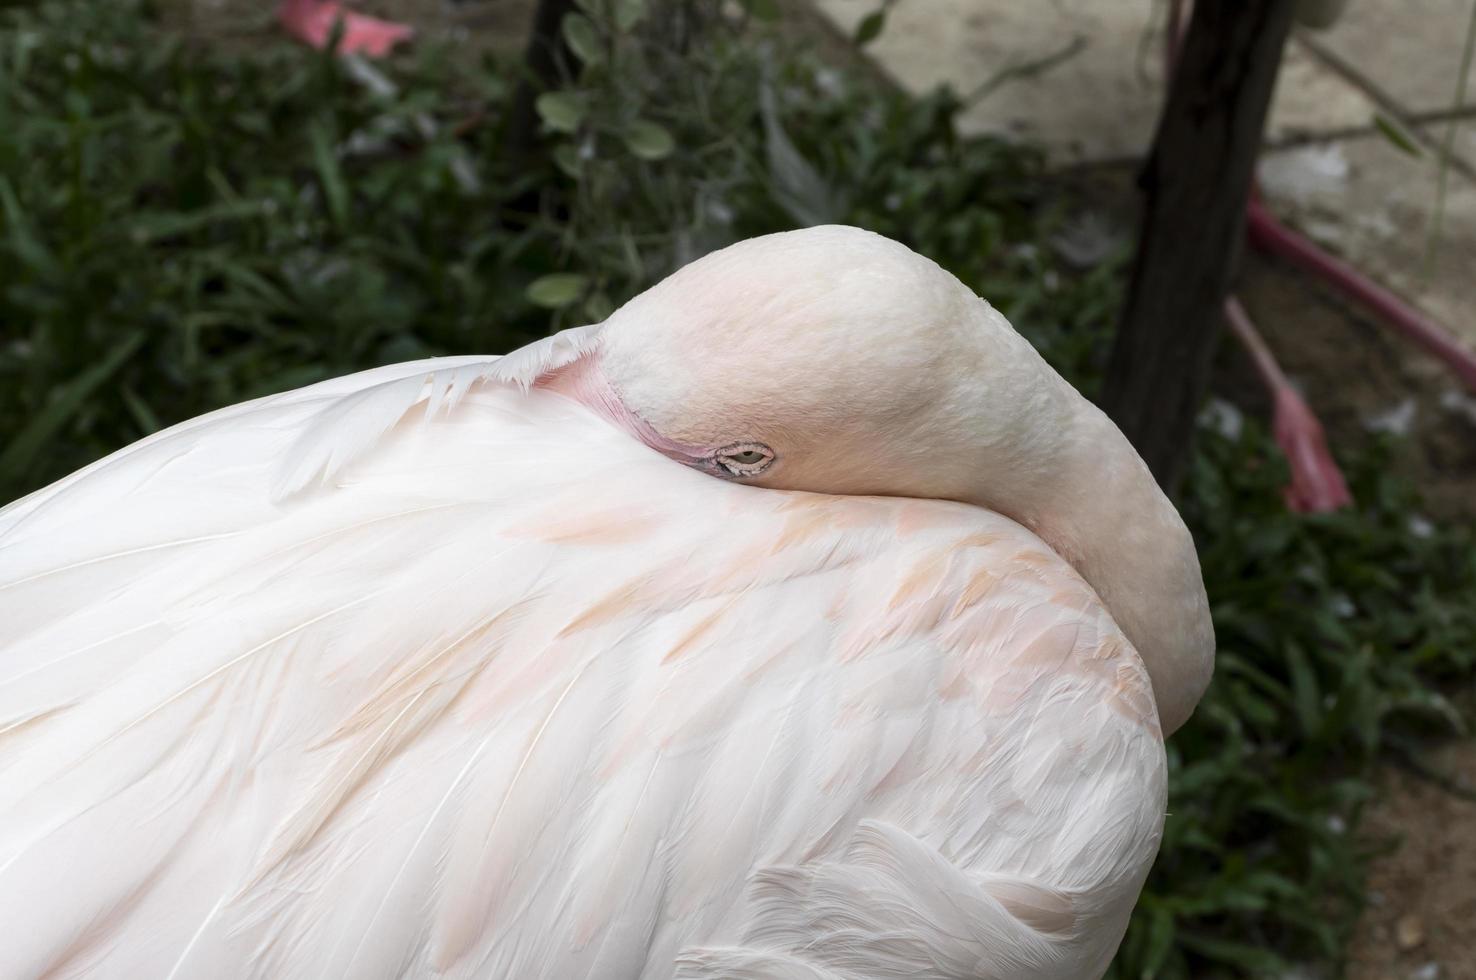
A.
x: 834, y: 360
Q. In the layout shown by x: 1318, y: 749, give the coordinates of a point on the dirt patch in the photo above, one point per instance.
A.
x: 1421, y: 917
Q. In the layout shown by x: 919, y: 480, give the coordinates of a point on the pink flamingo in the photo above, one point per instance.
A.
x: 797, y: 621
x: 313, y: 21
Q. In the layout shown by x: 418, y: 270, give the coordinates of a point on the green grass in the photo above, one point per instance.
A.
x: 183, y: 227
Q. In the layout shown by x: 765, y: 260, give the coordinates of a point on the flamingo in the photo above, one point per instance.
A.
x: 798, y: 621
x: 313, y: 21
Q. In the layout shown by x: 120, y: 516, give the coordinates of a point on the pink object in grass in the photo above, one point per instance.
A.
x: 1317, y: 485
x: 312, y: 22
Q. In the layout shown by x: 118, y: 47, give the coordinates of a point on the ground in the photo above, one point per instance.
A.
x: 1422, y: 896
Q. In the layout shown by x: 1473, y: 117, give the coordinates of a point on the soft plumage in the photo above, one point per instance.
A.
x: 432, y: 671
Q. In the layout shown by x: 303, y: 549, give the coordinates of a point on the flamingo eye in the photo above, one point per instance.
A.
x: 745, y: 458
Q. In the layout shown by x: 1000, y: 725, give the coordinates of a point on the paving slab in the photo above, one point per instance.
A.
x: 1410, y: 49
x: 1312, y: 99
x: 1100, y: 103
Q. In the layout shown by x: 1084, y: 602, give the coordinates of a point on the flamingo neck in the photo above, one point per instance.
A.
x: 1102, y: 511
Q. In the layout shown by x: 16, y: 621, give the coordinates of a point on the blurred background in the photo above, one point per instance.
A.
x: 197, y: 208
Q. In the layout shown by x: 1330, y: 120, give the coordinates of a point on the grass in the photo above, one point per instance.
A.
x: 184, y: 227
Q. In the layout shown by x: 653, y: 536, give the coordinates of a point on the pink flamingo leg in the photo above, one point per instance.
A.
x: 1317, y: 485
x: 312, y: 22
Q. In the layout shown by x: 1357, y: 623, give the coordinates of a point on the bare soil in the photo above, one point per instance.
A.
x: 1420, y: 922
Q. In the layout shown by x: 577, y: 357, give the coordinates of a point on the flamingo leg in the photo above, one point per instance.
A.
x: 312, y: 22
x: 1317, y: 485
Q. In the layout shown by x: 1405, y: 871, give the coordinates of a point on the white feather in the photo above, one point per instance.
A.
x: 434, y: 719
x: 348, y: 425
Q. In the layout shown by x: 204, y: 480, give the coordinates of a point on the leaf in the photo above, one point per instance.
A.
x: 62, y: 405
x: 871, y: 26
x: 582, y: 38
x: 556, y: 290
x: 629, y: 13
x: 261, y: 289
x: 566, y: 157
x: 562, y: 112
x: 1160, y: 940
x: 1306, y: 693
x: 1255, y: 960
x: 1393, y: 131
x: 329, y: 175
x: 648, y: 140
x: 23, y: 241
x: 167, y: 224
x: 762, y: 9
x: 797, y: 186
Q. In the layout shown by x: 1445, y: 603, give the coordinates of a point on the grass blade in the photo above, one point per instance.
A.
x: 330, y: 176
x: 32, y: 438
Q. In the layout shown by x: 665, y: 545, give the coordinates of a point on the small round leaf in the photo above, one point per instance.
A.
x: 582, y: 38
x: 871, y: 26
x: 561, y: 112
x: 648, y: 140
x: 556, y: 290
x: 566, y: 157
x: 629, y: 13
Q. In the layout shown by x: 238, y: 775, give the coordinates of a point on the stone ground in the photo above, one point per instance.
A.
x: 1084, y: 78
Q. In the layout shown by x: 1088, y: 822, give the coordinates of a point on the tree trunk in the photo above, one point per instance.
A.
x: 1196, y: 182
x: 541, y: 62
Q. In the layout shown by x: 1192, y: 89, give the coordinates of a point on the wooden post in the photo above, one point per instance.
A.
x: 1196, y: 182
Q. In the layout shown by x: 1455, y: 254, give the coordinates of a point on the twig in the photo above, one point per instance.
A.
x: 1028, y: 69
x: 1386, y: 103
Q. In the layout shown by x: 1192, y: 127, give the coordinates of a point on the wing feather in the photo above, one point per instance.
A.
x: 476, y: 708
